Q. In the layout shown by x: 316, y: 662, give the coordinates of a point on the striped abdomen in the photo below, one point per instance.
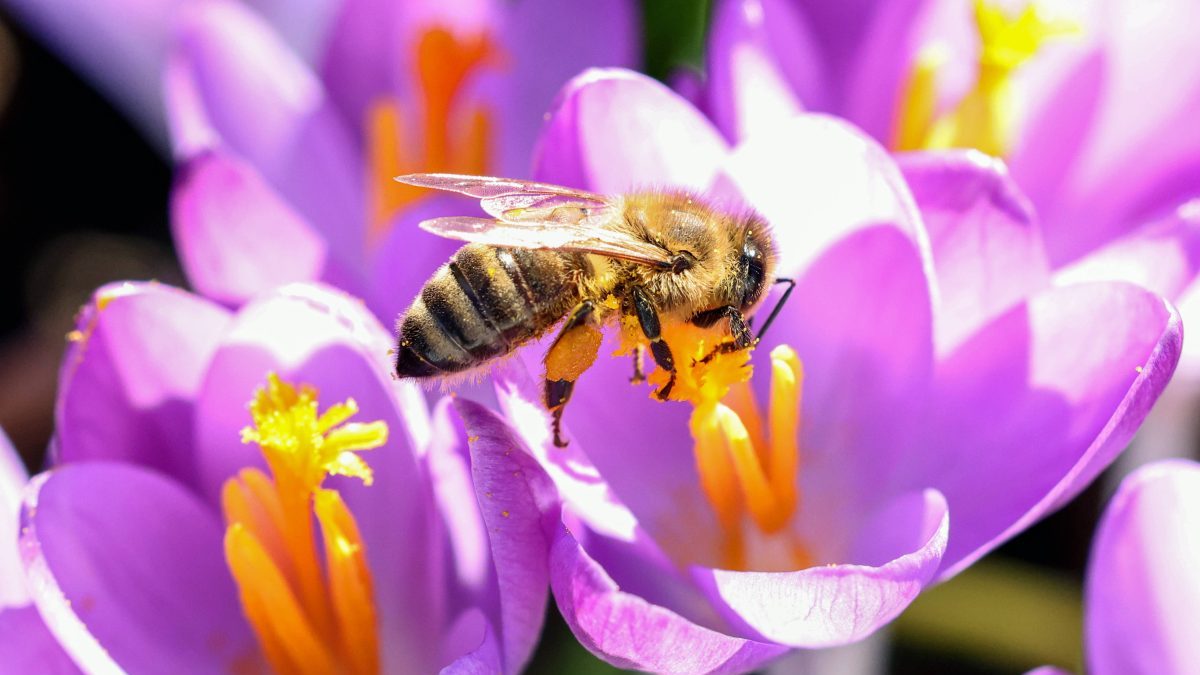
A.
x: 483, y: 303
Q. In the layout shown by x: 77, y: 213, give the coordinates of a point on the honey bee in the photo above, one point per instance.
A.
x: 550, y: 253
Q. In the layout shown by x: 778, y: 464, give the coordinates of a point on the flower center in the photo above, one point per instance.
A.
x: 453, y: 135
x: 308, y: 618
x: 747, y: 469
x: 984, y: 118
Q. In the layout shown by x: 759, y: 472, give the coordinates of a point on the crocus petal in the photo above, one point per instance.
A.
x: 131, y: 373
x: 837, y: 180
x: 484, y: 656
x: 126, y: 567
x: 12, y: 481
x: 369, y: 53
x: 762, y: 66
x: 987, y: 247
x: 1027, y: 412
x: 1048, y: 670
x: 119, y: 45
x: 629, y: 632
x: 1162, y: 256
x: 518, y: 505
x: 860, y: 320
x: 543, y: 40
x: 315, y: 335
x: 236, y: 236
x: 26, y: 645
x: 1143, y: 596
x: 613, y: 130
x: 1138, y: 160
x: 833, y: 605
x: 232, y: 82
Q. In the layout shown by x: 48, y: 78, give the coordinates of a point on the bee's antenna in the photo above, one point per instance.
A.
x: 778, y: 306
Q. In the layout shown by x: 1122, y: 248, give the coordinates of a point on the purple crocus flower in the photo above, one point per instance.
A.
x: 1092, y: 109
x: 177, y: 526
x: 1143, y: 593
x: 928, y: 395
x: 295, y: 118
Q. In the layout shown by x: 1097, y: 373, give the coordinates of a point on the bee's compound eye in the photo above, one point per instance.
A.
x: 753, y: 270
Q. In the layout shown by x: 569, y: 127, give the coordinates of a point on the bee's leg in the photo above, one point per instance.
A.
x: 639, y: 361
x: 738, y: 329
x: 648, y: 318
x: 565, y: 363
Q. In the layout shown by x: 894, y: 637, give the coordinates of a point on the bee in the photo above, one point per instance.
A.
x: 551, y: 254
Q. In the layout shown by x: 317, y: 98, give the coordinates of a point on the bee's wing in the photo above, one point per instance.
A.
x: 490, y: 186
x: 589, y: 235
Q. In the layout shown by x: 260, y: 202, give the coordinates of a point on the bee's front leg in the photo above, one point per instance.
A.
x: 648, y: 318
x: 739, y: 330
x: 639, y: 360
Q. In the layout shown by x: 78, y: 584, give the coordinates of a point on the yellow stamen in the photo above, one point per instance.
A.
x: 452, y: 136
x: 308, y: 618
x: 984, y: 118
x: 746, y: 468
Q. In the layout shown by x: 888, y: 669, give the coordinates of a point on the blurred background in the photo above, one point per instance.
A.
x: 83, y: 201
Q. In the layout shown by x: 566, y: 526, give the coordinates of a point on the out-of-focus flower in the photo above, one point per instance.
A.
x: 1143, y: 593
x: 934, y: 396
x: 1091, y: 105
x: 131, y: 563
x: 286, y: 172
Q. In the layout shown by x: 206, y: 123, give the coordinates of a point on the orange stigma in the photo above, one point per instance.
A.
x: 309, y: 617
x: 453, y: 135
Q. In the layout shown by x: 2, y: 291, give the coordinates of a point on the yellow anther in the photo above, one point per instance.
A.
x: 308, y: 618
x: 984, y: 118
x: 747, y: 470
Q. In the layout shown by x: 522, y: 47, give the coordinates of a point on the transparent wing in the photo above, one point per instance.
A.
x: 490, y: 186
x: 585, y: 236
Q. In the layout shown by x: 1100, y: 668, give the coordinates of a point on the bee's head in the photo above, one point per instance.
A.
x: 756, y: 264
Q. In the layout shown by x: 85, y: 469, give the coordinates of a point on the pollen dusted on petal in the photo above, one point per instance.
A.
x: 311, y: 605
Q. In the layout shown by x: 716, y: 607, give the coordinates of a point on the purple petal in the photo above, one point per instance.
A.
x: 1138, y: 161
x: 128, y: 382
x: 629, y: 632
x: 518, y: 505
x: 26, y: 645
x: 127, y: 568
x: 1161, y: 256
x: 615, y: 130
x: 314, y: 335
x: 232, y: 82
x: 833, y: 605
x: 1143, y: 596
x: 816, y: 180
x: 987, y: 248
x: 13, y: 477
x: 235, y: 235
x: 119, y: 45
x: 873, y: 59
x: 370, y: 50
x: 483, y: 657
x: 860, y: 321
x: 1027, y: 412
x: 543, y: 40
x: 1048, y: 670
x: 763, y: 66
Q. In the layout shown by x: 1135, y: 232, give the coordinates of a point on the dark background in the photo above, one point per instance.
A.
x: 83, y: 200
